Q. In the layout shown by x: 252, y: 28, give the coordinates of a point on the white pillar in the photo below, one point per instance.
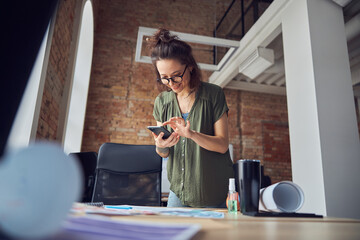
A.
x: 324, y: 138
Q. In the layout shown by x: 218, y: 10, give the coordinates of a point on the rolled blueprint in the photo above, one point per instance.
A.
x: 283, y: 196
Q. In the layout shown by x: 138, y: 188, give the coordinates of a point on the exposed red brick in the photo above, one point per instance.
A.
x: 56, y: 71
x: 122, y: 91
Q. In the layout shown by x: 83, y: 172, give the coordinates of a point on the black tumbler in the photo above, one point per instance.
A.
x: 248, y: 174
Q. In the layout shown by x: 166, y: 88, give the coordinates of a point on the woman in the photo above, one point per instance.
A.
x: 199, y: 163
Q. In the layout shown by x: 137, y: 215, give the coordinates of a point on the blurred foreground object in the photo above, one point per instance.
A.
x: 38, y: 186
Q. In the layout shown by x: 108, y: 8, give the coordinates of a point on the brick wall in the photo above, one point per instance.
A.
x: 122, y: 91
x: 276, y: 150
x: 265, y: 134
x: 258, y: 128
x: 56, y: 71
x: 59, y: 68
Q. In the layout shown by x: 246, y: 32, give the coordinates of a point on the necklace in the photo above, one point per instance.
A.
x: 186, y: 103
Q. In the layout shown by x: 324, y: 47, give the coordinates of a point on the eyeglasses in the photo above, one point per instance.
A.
x: 174, y: 79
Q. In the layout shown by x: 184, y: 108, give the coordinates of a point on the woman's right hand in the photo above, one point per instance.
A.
x: 163, y: 145
x: 166, y: 143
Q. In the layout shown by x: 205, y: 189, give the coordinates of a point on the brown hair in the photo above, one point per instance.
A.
x: 163, y: 45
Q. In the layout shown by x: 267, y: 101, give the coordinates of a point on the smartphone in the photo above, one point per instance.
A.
x: 158, y: 129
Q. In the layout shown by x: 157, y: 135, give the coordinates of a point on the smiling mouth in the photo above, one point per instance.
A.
x: 175, y: 86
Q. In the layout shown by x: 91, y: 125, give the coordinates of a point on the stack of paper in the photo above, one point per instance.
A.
x: 97, y: 227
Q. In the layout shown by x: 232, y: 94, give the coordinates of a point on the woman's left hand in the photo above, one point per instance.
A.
x: 178, y: 125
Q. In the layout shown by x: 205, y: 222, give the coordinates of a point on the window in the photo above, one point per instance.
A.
x: 79, y: 91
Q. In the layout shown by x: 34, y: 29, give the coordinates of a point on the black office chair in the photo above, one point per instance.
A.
x: 88, y: 162
x: 128, y: 174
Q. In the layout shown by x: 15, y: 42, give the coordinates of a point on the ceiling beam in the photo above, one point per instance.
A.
x: 265, y: 30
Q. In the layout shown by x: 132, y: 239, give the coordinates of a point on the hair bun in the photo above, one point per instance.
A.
x: 162, y: 35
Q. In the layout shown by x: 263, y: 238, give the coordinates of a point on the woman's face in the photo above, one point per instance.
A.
x: 171, y: 68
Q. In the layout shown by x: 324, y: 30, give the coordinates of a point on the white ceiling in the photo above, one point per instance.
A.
x: 265, y: 33
x: 272, y: 80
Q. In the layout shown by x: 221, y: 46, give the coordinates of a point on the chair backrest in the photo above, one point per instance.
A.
x: 88, y: 161
x: 128, y: 174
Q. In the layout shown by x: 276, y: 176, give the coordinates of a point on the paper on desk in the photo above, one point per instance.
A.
x: 283, y: 196
x: 87, y: 209
x: 97, y: 227
x: 182, y: 212
x: 128, y: 210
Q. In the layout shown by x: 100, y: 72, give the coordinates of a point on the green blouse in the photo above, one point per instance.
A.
x: 199, y: 177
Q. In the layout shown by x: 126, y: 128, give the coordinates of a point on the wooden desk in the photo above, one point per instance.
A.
x: 245, y: 227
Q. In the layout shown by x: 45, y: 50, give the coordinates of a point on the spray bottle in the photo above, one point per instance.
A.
x: 232, y: 201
